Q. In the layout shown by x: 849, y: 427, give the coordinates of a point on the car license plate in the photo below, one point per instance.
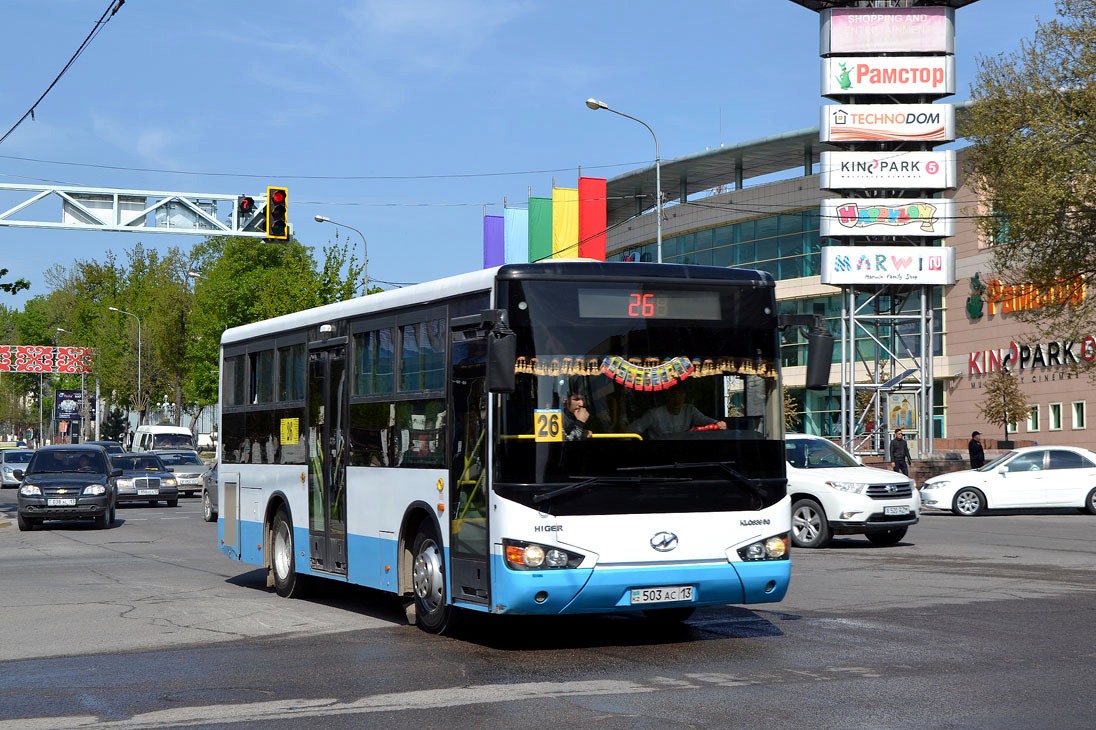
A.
x: 904, y: 510
x: 145, y: 492
x: 61, y: 502
x: 662, y: 594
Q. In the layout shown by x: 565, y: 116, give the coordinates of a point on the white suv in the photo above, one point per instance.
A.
x: 833, y: 493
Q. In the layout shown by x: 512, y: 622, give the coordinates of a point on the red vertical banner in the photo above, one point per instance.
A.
x: 591, y: 218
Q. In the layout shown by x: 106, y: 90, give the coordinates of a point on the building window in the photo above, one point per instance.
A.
x: 1055, y: 416
x: 1033, y: 419
x: 1078, y: 414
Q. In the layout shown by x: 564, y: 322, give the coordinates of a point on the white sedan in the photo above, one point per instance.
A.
x: 1034, y: 476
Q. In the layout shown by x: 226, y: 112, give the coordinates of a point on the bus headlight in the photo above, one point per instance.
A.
x: 522, y: 555
x: 771, y: 548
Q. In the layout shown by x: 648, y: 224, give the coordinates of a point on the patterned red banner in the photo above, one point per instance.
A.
x: 45, y: 359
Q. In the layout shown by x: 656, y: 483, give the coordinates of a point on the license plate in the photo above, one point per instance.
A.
x: 61, y: 502
x: 144, y: 492
x: 662, y: 594
x: 896, y: 510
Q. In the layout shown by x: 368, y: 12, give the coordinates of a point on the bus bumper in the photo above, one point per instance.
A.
x: 609, y: 589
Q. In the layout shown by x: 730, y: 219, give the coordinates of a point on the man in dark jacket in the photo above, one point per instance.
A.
x: 900, y: 453
x: 977, y: 453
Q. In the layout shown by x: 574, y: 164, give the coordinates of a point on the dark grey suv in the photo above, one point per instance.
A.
x: 68, y: 483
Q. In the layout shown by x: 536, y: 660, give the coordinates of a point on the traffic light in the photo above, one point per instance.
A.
x: 277, y: 225
x: 245, y: 207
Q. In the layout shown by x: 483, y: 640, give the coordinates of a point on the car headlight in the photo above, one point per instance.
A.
x: 168, y: 481
x: 125, y: 483
x: 94, y: 490
x: 935, y: 485
x: 30, y: 490
x: 851, y: 487
x: 771, y: 548
x: 522, y: 555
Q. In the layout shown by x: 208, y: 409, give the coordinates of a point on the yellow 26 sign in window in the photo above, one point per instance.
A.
x: 547, y: 424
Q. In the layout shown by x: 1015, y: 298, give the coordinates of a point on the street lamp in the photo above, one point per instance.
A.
x: 596, y: 104
x: 131, y: 314
x: 365, y: 248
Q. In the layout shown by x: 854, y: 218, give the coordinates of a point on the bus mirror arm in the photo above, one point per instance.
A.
x: 502, y: 349
x: 819, y: 347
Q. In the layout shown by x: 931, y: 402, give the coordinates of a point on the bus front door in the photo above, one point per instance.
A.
x: 469, y: 539
x: 327, y: 457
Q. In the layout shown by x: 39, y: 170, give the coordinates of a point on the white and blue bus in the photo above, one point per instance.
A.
x: 419, y: 442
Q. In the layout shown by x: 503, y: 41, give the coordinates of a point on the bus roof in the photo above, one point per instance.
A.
x: 483, y: 280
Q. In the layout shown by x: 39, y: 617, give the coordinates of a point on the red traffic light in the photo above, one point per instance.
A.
x: 277, y: 224
x: 245, y: 205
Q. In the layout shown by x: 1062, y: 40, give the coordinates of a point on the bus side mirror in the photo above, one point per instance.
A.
x: 819, y: 359
x: 819, y: 347
x: 502, y: 352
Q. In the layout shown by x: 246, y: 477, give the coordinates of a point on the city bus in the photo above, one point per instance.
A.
x: 416, y: 441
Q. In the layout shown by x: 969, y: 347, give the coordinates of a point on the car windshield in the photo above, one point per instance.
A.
x: 18, y: 457
x: 180, y: 459
x: 138, y: 463
x: 1000, y: 460
x: 67, y: 461
x: 817, y: 453
x: 172, y: 441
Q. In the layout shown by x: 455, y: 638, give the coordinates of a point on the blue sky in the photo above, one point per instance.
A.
x: 401, y: 119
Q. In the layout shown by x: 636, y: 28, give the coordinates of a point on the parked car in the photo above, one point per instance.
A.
x: 10, y: 460
x: 1033, y: 476
x: 187, y: 466
x: 209, y: 495
x: 112, y: 447
x: 145, y: 478
x: 834, y: 494
x: 68, y: 483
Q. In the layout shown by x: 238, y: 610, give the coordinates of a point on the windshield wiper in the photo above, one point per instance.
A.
x: 591, y: 481
x: 754, y: 485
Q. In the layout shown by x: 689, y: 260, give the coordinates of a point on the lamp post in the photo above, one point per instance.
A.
x: 596, y: 104
x: 365, y: 249
x: 131, y: 314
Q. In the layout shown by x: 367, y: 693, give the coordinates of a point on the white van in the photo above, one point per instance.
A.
x: 150, y: 438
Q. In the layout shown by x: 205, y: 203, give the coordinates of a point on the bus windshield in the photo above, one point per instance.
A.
x: 649, y: 397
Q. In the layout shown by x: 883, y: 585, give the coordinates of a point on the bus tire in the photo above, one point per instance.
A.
x: 286, y: 581
x: 432, y: 614
x: 810, y: 528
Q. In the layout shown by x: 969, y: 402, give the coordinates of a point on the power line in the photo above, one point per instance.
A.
x: 112, y: 8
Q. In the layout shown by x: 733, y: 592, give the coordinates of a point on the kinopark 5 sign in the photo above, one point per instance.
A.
x: 891, y: 170
x: 913, y: 265
x: 926, y: 75
x: 923, y: 218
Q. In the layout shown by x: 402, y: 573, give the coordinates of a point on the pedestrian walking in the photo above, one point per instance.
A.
x: 900, y: 453
x: 977, y: 453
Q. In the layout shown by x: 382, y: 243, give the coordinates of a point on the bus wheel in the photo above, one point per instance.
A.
x: 286, y: 581
x: 428, y: 581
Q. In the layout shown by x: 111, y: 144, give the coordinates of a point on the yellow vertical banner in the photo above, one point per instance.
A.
x: 564, y: 223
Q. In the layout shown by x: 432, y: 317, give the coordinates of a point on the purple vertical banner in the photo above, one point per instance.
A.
x: 494, y: 241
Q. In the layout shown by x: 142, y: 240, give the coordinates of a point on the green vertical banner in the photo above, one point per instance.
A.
x: 540, y: 229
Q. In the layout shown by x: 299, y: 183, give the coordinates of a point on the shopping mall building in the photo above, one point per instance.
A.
x: 757, y: 205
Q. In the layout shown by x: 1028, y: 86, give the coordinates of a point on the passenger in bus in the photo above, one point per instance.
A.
x: 673, y: 416
x: 578, y: 422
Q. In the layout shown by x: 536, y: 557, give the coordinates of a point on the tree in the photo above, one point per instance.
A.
x: 1004, y: 402
x: 13, y: 287
x: 1033, y: 163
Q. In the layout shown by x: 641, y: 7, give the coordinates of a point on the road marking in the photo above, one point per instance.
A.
x: 297, y: 709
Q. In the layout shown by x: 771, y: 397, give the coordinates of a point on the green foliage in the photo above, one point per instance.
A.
x: 116, y: 426
x: 12, y: 287
x: 1003, y: 402
x: 1033, y: 125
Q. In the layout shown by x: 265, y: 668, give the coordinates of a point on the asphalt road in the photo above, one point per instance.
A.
x: 980, y: 622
